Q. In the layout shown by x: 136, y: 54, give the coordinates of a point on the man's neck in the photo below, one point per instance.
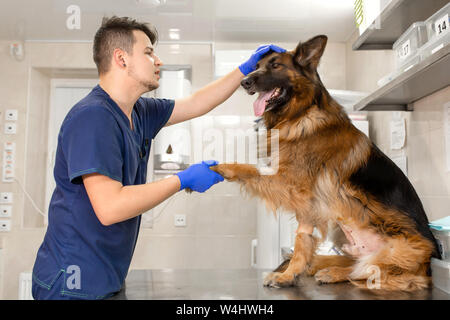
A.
x: 122, y: 93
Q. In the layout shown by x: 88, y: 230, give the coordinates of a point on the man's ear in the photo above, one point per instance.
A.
x: 119, y: 57
x: 309, y: 52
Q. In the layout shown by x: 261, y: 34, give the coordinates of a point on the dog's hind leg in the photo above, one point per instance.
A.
x: 374, y: 280
x: 320, y: 262
x: 333, y: 274
x: 305, y: 245
x: 402, y: 264
x: 407, y: 282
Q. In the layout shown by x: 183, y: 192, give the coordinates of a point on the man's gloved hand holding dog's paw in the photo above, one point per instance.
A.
x: 199, y: 177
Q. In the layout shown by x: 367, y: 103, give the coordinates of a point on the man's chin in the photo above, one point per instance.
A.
x: 150, y: 86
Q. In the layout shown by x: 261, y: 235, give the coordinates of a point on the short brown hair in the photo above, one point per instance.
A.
x: 117, y: 32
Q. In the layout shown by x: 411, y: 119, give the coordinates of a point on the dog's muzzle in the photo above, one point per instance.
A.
x: 247, y: 83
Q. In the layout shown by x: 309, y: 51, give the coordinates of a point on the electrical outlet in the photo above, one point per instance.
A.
x: 10, y: 128
x: 8, y: 162
x: 6, y: 197
x: 9, y: 146
x: 5, y: 225
x: 11, y: 115
x: 5, y: 211
x: 180, y: 220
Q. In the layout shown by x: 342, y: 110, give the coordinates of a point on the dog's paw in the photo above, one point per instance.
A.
x: 225, y: 170
x: 324, y: 276
x: 311, y: 270
x: 278, y: 280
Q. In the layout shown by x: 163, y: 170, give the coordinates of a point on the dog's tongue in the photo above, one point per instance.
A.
x: 260, y: 104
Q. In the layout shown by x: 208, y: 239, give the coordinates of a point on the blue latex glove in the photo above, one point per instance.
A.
x: 199, y: 177
x: 250, y: 65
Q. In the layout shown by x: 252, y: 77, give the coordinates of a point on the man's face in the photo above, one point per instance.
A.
x: 143, y: 64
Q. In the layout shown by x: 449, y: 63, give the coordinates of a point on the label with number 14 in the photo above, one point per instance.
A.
x: 441, y: 25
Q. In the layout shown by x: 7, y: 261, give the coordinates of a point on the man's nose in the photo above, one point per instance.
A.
x: 158, y: 61
x: 247, y: 82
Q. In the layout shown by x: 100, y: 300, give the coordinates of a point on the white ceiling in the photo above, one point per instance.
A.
x: 197, y: 20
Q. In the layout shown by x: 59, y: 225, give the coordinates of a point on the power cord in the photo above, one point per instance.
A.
x: 29, y: 198
x: 156, y: 217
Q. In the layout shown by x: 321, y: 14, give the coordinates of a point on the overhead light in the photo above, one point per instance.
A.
x: 174, y: 34
x: 152, y: 3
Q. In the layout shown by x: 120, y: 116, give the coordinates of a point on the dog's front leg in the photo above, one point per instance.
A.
x: 256, y: 183
x: 236, y: 171
x: 305, y: 246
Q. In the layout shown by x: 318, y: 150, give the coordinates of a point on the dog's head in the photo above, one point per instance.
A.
x: 281, y: 76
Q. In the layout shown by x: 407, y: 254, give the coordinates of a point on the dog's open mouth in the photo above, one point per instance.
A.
x: 267, y: 100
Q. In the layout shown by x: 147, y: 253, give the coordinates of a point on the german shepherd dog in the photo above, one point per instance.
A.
x: 331, y: 175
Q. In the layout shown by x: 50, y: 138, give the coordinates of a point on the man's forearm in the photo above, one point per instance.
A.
x: 215, y: 93
x: 137, y: 199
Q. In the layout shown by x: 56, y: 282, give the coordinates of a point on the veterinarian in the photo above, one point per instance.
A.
x: 101, y: 164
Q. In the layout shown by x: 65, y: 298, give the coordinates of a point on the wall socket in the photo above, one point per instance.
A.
x: 11, y: 115
x: 6, y: 197
x: 180, y: 220
x: 10, y: 128
x: 5, y: 225
x: 5, y: 211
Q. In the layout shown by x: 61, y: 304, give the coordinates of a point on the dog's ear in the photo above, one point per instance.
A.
x: 309, y: 52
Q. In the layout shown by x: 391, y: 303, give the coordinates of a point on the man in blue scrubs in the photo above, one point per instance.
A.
x: 101, y: 164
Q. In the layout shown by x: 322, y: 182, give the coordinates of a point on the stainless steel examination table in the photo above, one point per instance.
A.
x: 246, y: 284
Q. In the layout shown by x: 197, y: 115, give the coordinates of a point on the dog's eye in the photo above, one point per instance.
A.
x: 275, y: 65
x: 257, y: 66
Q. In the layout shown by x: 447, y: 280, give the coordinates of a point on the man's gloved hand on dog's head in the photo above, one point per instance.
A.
x: 250, y: 65
x: 199, y: 177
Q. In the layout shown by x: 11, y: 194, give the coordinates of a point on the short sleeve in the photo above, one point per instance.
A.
x: 92, y: 142
x: 158, y: 113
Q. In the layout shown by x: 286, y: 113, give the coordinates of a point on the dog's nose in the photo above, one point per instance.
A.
x: 247, y: 82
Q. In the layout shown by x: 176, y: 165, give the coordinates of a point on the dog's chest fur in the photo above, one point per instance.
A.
x: 316, y: 160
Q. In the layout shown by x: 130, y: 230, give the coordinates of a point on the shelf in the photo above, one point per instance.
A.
x: 394, y: 20
x: 426, y: 77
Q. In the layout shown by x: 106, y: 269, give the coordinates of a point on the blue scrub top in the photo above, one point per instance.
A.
x: 84, y: 258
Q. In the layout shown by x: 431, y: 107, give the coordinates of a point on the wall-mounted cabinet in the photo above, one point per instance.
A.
x: 426, y: 75
x: 393, y: 21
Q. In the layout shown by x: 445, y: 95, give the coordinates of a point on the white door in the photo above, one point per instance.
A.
x: 64, y: 95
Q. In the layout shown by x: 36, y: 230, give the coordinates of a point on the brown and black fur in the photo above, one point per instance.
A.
x: 331, y: 173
